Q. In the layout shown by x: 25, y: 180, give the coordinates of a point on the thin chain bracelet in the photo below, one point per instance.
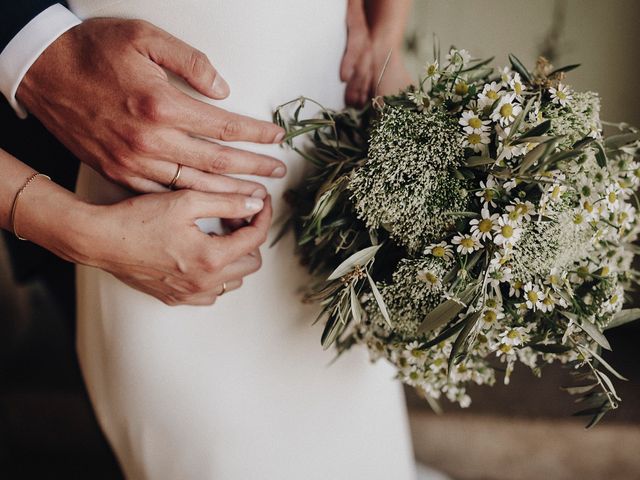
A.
x: 14, y: 207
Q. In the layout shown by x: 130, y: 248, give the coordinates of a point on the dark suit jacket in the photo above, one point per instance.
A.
x: 31, y: 143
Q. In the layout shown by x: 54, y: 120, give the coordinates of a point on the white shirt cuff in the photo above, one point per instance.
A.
x: 25, y: 48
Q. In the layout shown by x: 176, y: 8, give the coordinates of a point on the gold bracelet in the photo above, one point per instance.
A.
x: 14, y: 207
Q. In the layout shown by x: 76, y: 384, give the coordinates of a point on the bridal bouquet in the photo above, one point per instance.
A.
x: 475, y: 220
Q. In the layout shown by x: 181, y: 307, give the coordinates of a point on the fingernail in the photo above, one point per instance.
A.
x: 279, y: 137
x: 278, y: 172
x: 259, y: 194
x: 220, y: 87
x: 254, y: 204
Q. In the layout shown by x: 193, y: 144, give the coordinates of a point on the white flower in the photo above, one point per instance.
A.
x: 466, y: 244
x: 520, y: 210
x: 476, y: 141
x: 432, y: 70
x: 506, y: 111
x: 490, y: 93
x: 626, y: 216
x: 481, y: 228
x: 507, y: 233
x: 431, y: 279
x: 503, y: 275
x: 554, y: 191
x: 505, y: 75
x: 458, y: 57
x: 510, y: 184
x: 612, y: 197
x: 533, y: 296
x: 514, y: 336
x: 472, y: 122
x: 516, y: 85
x: 488, y: 191
x: 460, y: 89
x: 515, y: 289
x: 440, y: 250
x: 414, y: 354
x: 561, y: 95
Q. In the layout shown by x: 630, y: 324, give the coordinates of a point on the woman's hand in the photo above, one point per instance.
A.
x: 151, y: 242
x: 375, y: 34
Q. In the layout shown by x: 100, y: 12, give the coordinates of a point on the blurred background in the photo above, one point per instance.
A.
x: 525, y: 431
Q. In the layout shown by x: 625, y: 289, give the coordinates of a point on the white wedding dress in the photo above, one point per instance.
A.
x: 242, y: 389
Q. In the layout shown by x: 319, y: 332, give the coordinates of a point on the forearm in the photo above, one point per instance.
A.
x: 46, y: 213
x: 387, y: 21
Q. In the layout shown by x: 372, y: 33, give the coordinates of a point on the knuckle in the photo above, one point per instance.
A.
x: 198, y: 63
x: 141, y: 141
x: 221, y: 161
x: 232, y: 129
x: 151, y: 107
x: 210, y: 264
x: 137, y: 29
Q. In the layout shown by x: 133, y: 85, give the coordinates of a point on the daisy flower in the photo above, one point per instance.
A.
x: 506, y: 111
x: 515, y: 336
x: 414, y: 353
x: 515, y: 289
x: 458, y: 57
x: 466, y: 244
x: 481, y: 228
x: 561, y: 95
x: 472, y: 122
x: 612, y: 197
x: 487, y: 192
x: 476, y: 141
x: 533, y: 296
x: 520, y: 210
x: 516, y: 85
x: 432, y: 70
x: 506, y: 232
x: 505, y: 76
x: 460, y: 90
x: 429, y: 278
x: 440, y: 250
x: 626, y: 216
x: 502, y: 275
x: 490, y: 93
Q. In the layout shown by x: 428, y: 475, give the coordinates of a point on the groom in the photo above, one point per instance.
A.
x: 99, y: 88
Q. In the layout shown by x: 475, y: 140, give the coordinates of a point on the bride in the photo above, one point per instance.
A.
x: 242, y: 389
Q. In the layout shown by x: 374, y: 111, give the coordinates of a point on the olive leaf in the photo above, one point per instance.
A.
x: 357, y: 259
x: 378, y: 296
x: 624, y: 316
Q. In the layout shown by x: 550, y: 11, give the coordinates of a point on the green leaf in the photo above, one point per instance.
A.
x: 566, y: 68
x: 520, y: 68
x: 359, y: 258
x: 518, y: 121
x: 580, y: 390
x: 332, y: 329
x: 590, y: 329
x: 616, y: 141
x: 356, y: 308
x: 532, y: 157
x: 477, y: 161
x: 605, y: 364
x: 446, y: 311
x: 538, y: 130
x: 460, y: 340
x: 378, y: 296
x: 596, y: 418
x: 601, y: 155
x: 624, y: 316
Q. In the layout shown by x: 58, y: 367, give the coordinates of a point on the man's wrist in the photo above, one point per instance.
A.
x: 25, y: 48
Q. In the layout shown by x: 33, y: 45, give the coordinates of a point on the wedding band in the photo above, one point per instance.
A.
x: 172, y: 185
x: 224, y: 289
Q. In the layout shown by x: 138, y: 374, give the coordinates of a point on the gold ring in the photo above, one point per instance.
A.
x: 172, y: 185
x: 224, y: 289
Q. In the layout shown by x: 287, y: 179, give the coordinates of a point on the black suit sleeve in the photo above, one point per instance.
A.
x: 16, y: 14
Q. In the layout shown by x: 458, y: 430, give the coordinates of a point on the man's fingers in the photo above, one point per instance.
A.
x: 213, y: 158
x: 187, y: 62
x: 246, y: 239
x: 199, y: 118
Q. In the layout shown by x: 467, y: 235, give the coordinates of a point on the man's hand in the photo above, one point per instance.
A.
x: 151, y: 243
x: 102, y: 90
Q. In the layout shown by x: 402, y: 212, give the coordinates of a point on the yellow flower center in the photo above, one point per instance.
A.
x: 485, y: 225
x: 474, y: 139
x: 578, y: 219
x: 548, y: 300
x: 507, y: 231
x: 490, y: 316
x: 532, y: 296
x: 430, y: 277
x: 561, y: 95
x: 555, y: 193
x: 604, y: 271
x: 467, y: 242
x: 513, y: 334
x: 517, y: 284
x: 492, y: 94
x: 517, y: 87
x: 438, y: 251
x: 614, y: 299
x: 488, y: 195
x: 612, y: 197
x: 587, y: 206
x: 505, y: 348
x: 475, y: 122
x: 506, y: 110
x: 431, y: 70
x: 461, y: 88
